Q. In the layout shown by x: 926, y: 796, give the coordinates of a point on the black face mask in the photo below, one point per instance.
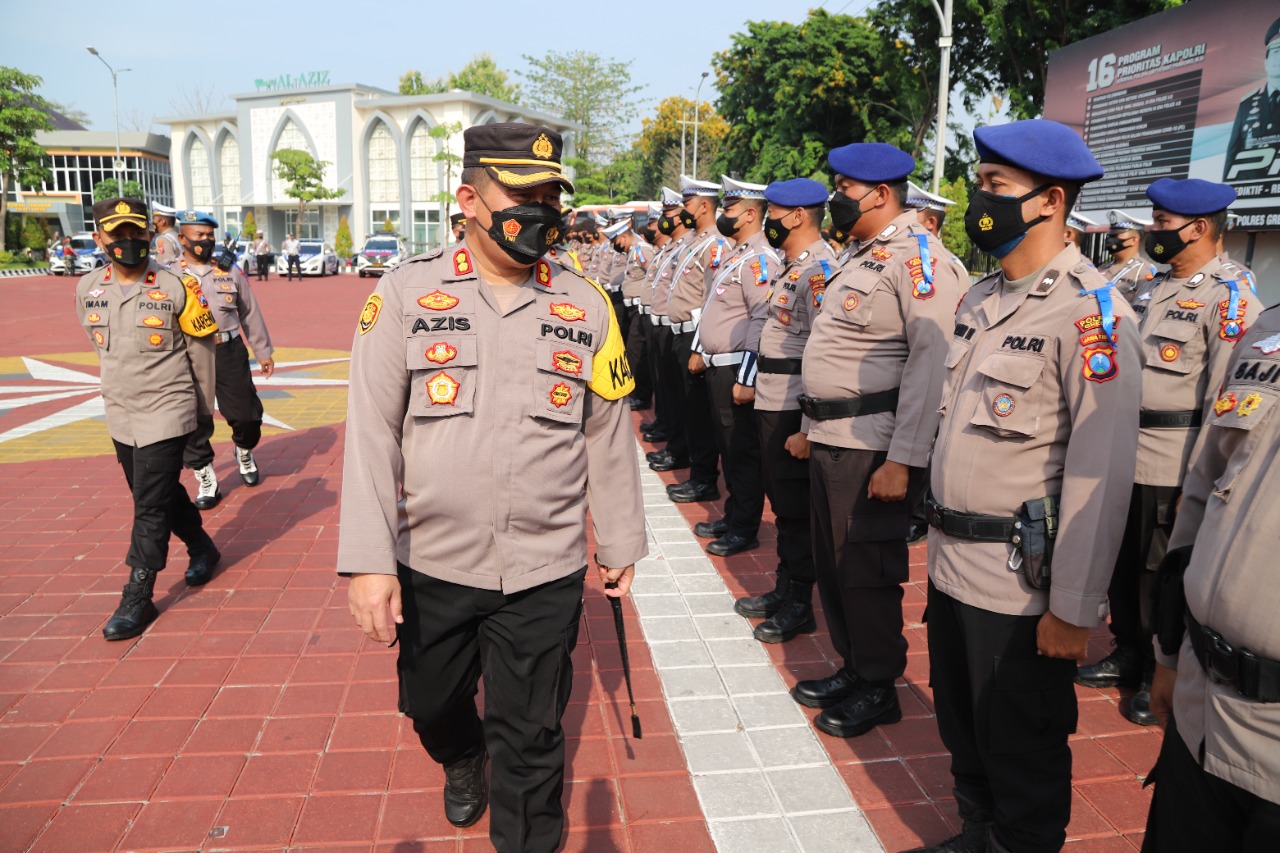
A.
x: 728, y: 226
x: 618, y: 247
x: 524, y: 231
x: 845, y: 213
x: 202, y: 249
x: 994, y: 222
x: 1115, y: 245
x: 129, y: 252
x: 775, y: 232
x: 687, y: 220
x: 1163, y: 246
x: 667, y: 225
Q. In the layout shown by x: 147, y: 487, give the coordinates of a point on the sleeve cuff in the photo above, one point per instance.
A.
x: 1079, y: 609
x: 617, y: 556
x: 366, y: 561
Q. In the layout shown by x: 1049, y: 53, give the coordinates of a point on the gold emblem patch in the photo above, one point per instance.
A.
x: 542, y: 147
x: 986, y: 223
x: 1249, y: 405
x: 566, y: 362
x: 153, y: 321
x: 369, y: 314
x: 441, y: 353
x: 442, y: 389
x: 122, y: 207
x: 560, y: 395
x: 438, y: 301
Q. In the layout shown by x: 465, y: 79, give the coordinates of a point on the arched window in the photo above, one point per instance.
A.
x: 290, y: 137
x: 229, y: 169
x: 198, y: 174
x: 384, y: 176
x: 424, y: 183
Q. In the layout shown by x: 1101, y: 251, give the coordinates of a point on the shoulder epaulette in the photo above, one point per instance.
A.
x: 429, y: 255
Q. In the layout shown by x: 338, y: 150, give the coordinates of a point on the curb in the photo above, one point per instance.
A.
x: 20, y: 273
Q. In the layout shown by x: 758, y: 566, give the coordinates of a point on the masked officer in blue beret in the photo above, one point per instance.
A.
x: 1190, y: 320
x: 1030, y: 481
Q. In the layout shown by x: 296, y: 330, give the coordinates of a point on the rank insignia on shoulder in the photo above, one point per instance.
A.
x: 1003, y: 405
x: 1224, y: 404
x: 566, y: 362
x: 1100, y: 364
x: 438, y: 300
x: 560, y: 395
x: 369, y: 313
x: 462, y: 263
x: 442, y: 389
x: 1249, y: 405
x: 1170, y: 352
x: 567, y: 311
x: 543, y: 273
x: 441, y: 352
x: 887, y: 232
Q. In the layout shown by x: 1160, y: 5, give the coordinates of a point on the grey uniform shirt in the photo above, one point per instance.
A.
x: 474, y: 444
x: 233, y: 303
x: 1131, y: 276
x: 794, y: 297
x: 1231, y: 511
x: 736, y: 303
x: 692, y: 277
x: 639, y: 256
x: 664, y: 276
x: 156, y: 377
x: 1038, y: 402
x: 167, y: 248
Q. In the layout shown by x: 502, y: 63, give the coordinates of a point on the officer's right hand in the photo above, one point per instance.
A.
x: 798, y: 445
x: 1162, y: 685
x: 743, y: 394
x: 375, y: 602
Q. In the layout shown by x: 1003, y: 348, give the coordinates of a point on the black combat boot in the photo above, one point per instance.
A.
x: 793, y: 616
x: 1139, y: 710
x: 466, y: 789
x: 1121, y: 668
x: 200, y: 571
x: 974, y: 834
x: 763, y: 606
x: 136, y: 610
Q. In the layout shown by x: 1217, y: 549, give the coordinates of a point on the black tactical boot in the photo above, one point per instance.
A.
x: 763, y: 606
x: 974, y: 833
x: 1139, y: 710
x: 136, y: 610
x: 1121, y: 668
x: 794, y: 616
x: 871, y: 705
x: 200, y: 571
x: 466, y: 790
x: 825, y: 692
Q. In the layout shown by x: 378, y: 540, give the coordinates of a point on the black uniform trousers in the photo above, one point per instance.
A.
x: 670, y: 392
x: 521, y: 644
x: 860, y: 557
x: 739, y: 446
x: 652, y: 333
x: 1145, y: 542
x: 1194, y: 811
x: 704, y: 458
x: 1004, y: 714
x: 786, y: 483
x: 638, y: 354
x: 264, y: 266
x: 237, y: 400
x: 160, y: 504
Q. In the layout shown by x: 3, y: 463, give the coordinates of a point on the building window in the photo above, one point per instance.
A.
x: 423, y: 171
x: 290, y: 137
x: 426, y: 230
x: 198, y: 172
x: 380, y: 216
x: 384, y: 177
x: 310, y: 229
x: 229, y: 169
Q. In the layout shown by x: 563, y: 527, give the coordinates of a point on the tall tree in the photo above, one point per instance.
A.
x: 22, y: 115
x: 413, y: 83
x: 304, y: 177
x: 791, y: 92
x: 443, y: 135
x: 660, y: 140
x: 588, y: 89
x: 483, y: 77
x: 109, y: 188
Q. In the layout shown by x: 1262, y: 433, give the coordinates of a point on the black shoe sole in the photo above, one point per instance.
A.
x: 706, y: 534
x: 749, y: 545
x: 202, y: 503
x: 672, y: 466
x: 685, y: 498
x: 1103, y: 683
x: 889, y: 717
x: 805, y: 628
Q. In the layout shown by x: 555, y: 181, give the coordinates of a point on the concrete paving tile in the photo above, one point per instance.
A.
x: 692, y: 682
x: 835, y: 832
x: 753, y: 836
x: 670, y: 655
x: 758, y: 678
x: 807, y: 789
x: 710, y: 753
x: 787, y: 747
x: 695, y: 716
x: 666, y: 629
x: 735, y: 795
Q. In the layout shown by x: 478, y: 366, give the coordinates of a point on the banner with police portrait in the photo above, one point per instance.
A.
x: 1193, y: 92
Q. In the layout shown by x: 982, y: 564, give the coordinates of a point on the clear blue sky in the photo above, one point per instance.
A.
x: 227, y: 46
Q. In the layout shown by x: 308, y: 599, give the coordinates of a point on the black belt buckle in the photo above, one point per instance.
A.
x: 808, y: 405
x: 933, y: 513
x: 1221, y: 664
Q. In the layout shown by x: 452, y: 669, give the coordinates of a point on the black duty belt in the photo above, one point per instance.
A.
x: 969, y: 525
x: 1190, y: 419
x: 790, y: 366
x: 849, y: 407
x: 1252, y: 676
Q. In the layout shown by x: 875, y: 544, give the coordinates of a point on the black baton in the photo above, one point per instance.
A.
x: 626, y: 658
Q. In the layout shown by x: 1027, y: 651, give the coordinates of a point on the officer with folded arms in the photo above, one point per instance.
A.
x: 1030, y: 480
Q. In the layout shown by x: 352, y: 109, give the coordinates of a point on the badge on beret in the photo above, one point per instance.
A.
x: 566, y: 362
x: 438, y: 300
x: 1249, y: 405
x: 1003, y: 406
x: 567, y: 311
x: 560, y: 395
x: 1224, y: 404
x: 369, y: 313
x: 1100, y: 364
x: 543, y: 148
x: 442, y: 389
x: 1170, y: 352
x: 441, y: 353
x: 122, y: 207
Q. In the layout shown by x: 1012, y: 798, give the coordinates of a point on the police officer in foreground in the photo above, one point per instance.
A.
x: 792, y: 225
x: 1129, y: 269
x: 1190, y: 320
x: 1035, y: 448
x: 153, y: 334
x: 727, y: 341
x: 488, y: 387
x: 873, y: 372
x: 240, y: 320
x: 165, y: 247
x: 1217, y: 781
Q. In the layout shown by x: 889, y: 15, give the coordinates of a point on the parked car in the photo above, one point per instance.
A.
x: 380, y: 253
x: 315, y: 258
x: 247, y: 260
x: 88, y: 256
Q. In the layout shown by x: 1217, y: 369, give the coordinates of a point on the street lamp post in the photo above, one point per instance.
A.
x: 696, y: 105
x: 944, y: 91
x: 115, y: 88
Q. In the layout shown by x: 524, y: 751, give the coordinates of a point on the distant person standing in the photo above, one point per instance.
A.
x: 165, y: 247
x: 458, y: 225
x: 291, y: 248
x: 262, y: 251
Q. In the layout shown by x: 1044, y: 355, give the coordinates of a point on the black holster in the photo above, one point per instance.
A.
x: 1169, y: 600
x: 1035, y: 527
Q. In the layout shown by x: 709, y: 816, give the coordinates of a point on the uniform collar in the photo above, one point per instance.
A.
x: 995, y: 308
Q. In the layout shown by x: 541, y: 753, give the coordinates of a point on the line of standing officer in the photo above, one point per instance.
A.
x: 1129, y: 269
x: 668, y: 378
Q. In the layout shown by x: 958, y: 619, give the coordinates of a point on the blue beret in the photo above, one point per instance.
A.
x: 196, y: 217
x: 1041, y: 146
x: 1192, y: 197
x: 871, y: 162
x: 797, y: 192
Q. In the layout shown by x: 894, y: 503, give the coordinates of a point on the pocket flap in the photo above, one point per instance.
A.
x: 1018, y: 370
x: 957, y: 352
x: 1176, y: 330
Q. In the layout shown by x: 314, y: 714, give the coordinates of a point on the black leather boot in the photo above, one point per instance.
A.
x: 974, y: 834
x: 871, y: 705
x: 1139, y: 710
x: 764, y: 606
x: 825, y: 692
x: 200, y: 570
x: 136, y: 610
x: 794, y: 616
x: 466, y: 789
x: 1121, y: 668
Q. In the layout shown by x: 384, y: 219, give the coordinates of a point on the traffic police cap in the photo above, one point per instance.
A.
x: 1190, y: 197
x: 797, y: 192
x: 196, y: 217
x: 921, y: 199
x: 1123, y: 220
x: 516, y: 154
x: 871, y: 162
x: 114, y: 212
x: 739, y: 189
x: 1038, y: 145
x: 164, y: 210
x: 690, y: 188
x: 670, y: 198
x: 617, y: 228
x: 1080, y: 222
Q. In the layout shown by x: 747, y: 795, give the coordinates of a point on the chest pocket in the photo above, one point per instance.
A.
x: 560, y: 381
x: 852, y: 303
x: 154, y: 331
x: 1175, y: 346
x: 222, y: 295
x: 1242, y: 407
x: 443, y: 374
x: 1009, y: 400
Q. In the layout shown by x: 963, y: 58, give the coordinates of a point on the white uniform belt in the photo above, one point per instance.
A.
x: 660, y: 320
x: 630, y: 301
x: 723, y: 359
x: 226, y: 337
x: 683, y: 328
